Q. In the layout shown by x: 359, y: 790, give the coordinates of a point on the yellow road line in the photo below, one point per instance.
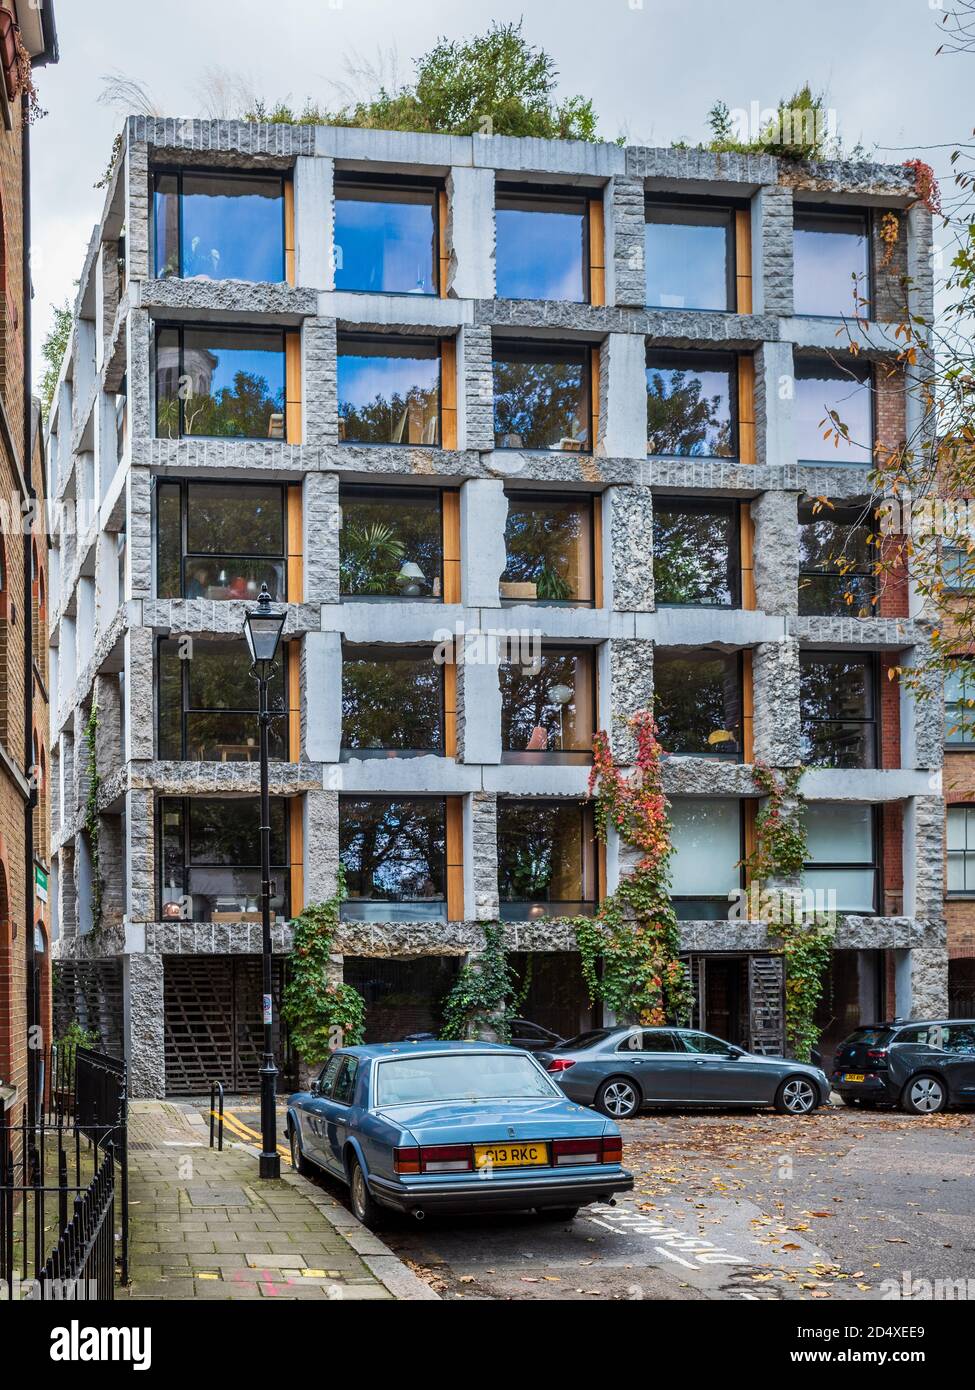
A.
x: 243, y: 1131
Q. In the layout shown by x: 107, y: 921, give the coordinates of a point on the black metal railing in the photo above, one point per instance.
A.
x: 216, y: 1095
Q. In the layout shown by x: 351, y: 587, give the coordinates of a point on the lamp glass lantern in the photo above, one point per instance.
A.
x: 263, y: 628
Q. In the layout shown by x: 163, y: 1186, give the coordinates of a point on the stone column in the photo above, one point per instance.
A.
x: 138, y: 540
x: 321, y: 843
x: 144, y: 1031
x: 923, y: 855
x: 776, y: 556
x: 475, y: 388
x: 137, y: 367
x: 630, y: 686
x: 775, y: 668
x: 319, y: 375
x: 321, y: 696
x: 321, y: 520
x: 625, y: 257
x: 139, y: 697
x: 470, y: 233
x: 772, y: 287
x: 136, y: 176
x: 628, y: 549
x: 314, y: 222
x: 481, y: 856
x: 479, y: 708
x: 140, y: 856
x: 483, y: 514
x: 774, y: 397
x: 623, y: 405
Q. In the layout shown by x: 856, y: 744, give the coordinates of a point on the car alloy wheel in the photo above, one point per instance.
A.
x: 926, y: 1095
x: 798, y: 1096
x: 360, y: 1194
x: 619, y: 1099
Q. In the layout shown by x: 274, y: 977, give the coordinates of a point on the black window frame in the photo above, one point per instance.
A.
x: 803, y: 209
x: 525, y: 193
x: 690, y: 203
x: 583, y: 907
x: 690, y: 359
x: 538, y: 347
x: 205, y: 325
x: 704, y: 505
x: 838, y: 371
x: 424, y: 340
x: 848, y: 514
x: 375, y: 491
x: 351, y: 178
x: 177, y: 171
x: 871, y: 662
x: 379, y: 652
x: 185, y: 710
x: 188, y: 865
x: 186, y: 554
x: 557, y: 757
x: 712, y: 653
x: 387, y: 797
x: 875, y: 863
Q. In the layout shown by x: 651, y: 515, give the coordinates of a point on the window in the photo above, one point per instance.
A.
x: 326, y: 1078
x: 960, y: 704
x: 708, y: 847
x: 692, y: 404
x: 386, y: 236
x: 704, y: 1044
x: 828, y: 395
x: 211, y: 858
x: 547, y: 707
x: 344, y: 1090
x: 690, y: 256
x: 958, y: 569
x: 696, y: 553
x: 835, y: 560
x: 841, y: 839
x: 225, y: 226
x: 546, y: 859
x: 220, y: 540
x: 207, y: 703
x: 831, y: 258
x: 225, y: 383
x: 389, y: 390
x: 697, y: 702
x: 394, y: 855
x: 542, y: 398
x: 391, y: 543
x: 837, y: 702
x: 648, y: 1040
x: 549, y: 550
x: 541, y: 245
x: 392, y: 702
x: 961, y: 849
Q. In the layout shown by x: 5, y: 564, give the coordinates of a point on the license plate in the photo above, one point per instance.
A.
x: 854, y: 1076
x: 531, y: 1155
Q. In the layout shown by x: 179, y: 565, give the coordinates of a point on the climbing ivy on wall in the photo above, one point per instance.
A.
x: 485, y: 996
x: 320, y: 1015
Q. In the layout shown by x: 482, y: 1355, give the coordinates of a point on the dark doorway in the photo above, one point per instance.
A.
x: 741, y: 999
x: 852, y: 995
x: 961, y: 987
x: 402, y: 995
x: 554, y: 992
x: 726, y: 999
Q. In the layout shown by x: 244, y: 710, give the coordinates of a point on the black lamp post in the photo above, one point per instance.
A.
x: 262, y: 628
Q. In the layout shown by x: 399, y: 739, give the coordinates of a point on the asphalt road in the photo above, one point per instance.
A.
x: 730, y: 1205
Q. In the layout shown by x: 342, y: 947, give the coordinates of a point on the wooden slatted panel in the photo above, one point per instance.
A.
x: 293, y: 672
x: 594, y: 377
x: 448, y: 393
x: 696, y: 968
x: 289, y: 231
x: 296, y: 579
x: 442, y: 257
x: 451, y: 546
x: 597, y: 253
x: 455, y: 859
x: 90, y: 992
x: 747, y: 550
x: 743, y: 259
x: 766, y: 998
x: 296, y: 842
x: 450, y: 708
x: 747, y: 713
x: 746, y: 408
x: 292, y: 387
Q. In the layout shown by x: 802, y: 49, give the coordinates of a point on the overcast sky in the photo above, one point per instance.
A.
x: 653, y: 69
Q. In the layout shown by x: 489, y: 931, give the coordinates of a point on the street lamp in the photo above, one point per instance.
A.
x: 262, y: 628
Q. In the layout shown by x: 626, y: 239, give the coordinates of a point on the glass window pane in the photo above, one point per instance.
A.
x: 165, y: 221
x: 697, y: 703
x: 835, y: 561
x: 547, y: 707
x: 822, y: 388
x: 956, y: 823
x: 836, y: 695
x: 545, y: 865
x: 548, y: 546
x: 854, y: 888
x: 695, y: 553
x: 688, y: 255
x: 233, y: 227
x: 226, y: 830
x: 541, y: 398
x: 393, y: 852
x: 831, y: 268
x: 839, y: 833
x: 170, y: 701
x: 222, y: 872
x: 392, y: 701
x: 707, y: 847
x: 540, y: 248
x: 691, y: 406
x: 385, y: 239
x: 169, y: 540
x: 225, y: 519
x: 389, y: 392
x: 391, y: 543
x: 956, y: 872
x: 233, y: 384
x: 168, y: 371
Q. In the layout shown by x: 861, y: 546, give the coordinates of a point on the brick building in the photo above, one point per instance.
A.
x: 431, y: 388
x: 25, y: 983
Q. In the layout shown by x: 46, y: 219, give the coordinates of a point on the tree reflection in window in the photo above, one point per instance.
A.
x: 547, y: 707
x: 223, y: 383
x: 691, y: 405
x: 391, y: 543
x: 393, y: 852
x: 541, y: 398
x: 695, y: 553
x: 392, y: 701
x: 836, y: 560
x: 837, y: 702
x: 548, y: 545
x: 545, y: 859
x: 697, y: 703
x: 389, y: 391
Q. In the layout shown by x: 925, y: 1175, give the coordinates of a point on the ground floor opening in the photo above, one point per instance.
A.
x: 855, y: 991
x: 961, y: 986
x: 552, y: 992
x: 740, y: 997
x: 403, y: 994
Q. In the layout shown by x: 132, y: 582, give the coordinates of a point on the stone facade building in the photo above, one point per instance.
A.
x: 24, y: 908
x: 431, y: 389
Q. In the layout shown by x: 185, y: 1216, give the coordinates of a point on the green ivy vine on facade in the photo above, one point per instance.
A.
x: 485, y: 996
x: 321, y: 1016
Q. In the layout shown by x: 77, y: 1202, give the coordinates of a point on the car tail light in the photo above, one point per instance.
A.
x: 560, y: 1064
x: 406, y: 1160
x: 447, y: 1158
x: 566, y: 1152
x: 877, y: 1053
x: 612, y: 1148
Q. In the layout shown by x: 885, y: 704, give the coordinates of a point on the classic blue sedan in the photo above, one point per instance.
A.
x: 450, y: 1127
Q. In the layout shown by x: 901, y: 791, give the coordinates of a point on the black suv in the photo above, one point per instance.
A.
x: 922, y: 1065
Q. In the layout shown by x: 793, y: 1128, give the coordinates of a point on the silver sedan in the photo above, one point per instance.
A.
x: 618, y: 1070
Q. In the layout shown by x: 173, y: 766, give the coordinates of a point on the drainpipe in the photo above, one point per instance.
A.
x: 34, y: 1054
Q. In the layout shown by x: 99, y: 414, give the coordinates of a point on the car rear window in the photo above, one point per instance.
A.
x: 872, y: 1037
x: 472, y: 1076
x: 582, y: 1040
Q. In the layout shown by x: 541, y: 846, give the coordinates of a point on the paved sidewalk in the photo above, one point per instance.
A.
x: 202, y: 1225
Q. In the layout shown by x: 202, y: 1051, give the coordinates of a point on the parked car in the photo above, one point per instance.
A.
x: 533, y: 1037
x: 618, y: 1070
x: 922, y: 1065
x: 450, y: 1127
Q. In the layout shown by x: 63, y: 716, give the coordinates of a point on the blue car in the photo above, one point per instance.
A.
x: 452, y: 1127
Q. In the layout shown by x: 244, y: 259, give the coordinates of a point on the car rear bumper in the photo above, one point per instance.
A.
x: 475, y: 1194
x: 874, y: 1087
